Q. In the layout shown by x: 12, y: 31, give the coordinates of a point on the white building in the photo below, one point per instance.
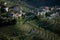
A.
x: 7, y: 9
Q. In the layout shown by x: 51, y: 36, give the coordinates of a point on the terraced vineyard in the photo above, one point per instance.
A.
x: 30, y: 27
x: 27, y: 31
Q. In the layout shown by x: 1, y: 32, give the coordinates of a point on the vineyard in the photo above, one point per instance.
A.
x: 27, y: 25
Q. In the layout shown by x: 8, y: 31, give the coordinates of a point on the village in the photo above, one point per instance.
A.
x: 15, y: 12
x: 33, y: 24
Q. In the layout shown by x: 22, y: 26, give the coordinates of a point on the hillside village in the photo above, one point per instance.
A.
x: 41, y: 23
x: 44, y: 11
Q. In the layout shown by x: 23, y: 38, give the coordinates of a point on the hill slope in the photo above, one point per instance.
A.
x: 38, y: 3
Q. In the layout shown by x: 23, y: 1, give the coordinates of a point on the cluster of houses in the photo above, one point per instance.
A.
x: 8, y: 14
x: 45, y: 11
x: 14, y: 10
x: 49, y: 12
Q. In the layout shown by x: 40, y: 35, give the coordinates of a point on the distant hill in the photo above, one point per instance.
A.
x: 38, y: 3
x: 35, y: 3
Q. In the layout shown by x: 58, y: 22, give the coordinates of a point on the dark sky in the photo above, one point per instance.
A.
x: 38, y: 3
